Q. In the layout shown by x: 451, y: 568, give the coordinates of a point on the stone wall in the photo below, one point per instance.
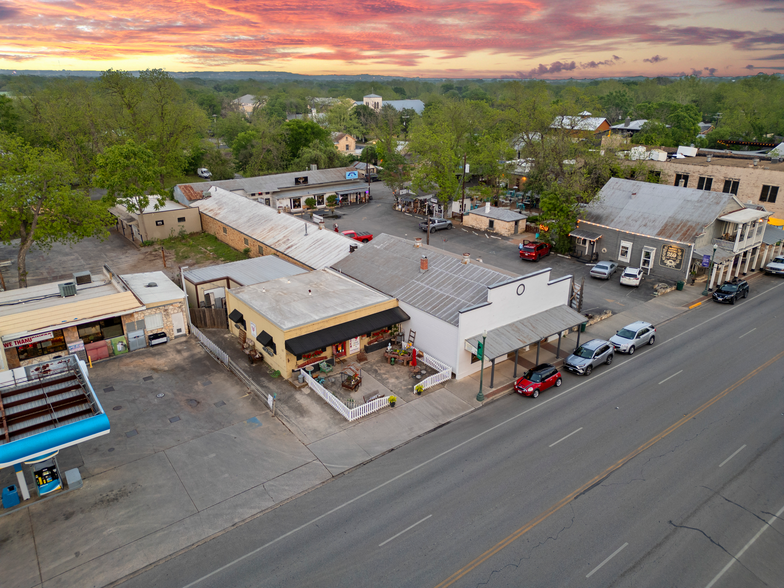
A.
x: 482, y: 223
x: 166, y: 311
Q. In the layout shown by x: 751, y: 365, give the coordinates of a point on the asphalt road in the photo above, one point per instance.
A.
x: 663, y: 469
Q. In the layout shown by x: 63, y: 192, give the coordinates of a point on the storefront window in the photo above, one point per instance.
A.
x: 54, y: 345
x: 100, y: 330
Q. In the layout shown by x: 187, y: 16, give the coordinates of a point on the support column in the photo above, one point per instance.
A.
x: 721, y: 272
x: 558, y: 350
x: 738, y: 231
x: 754, y: 265
x: 764, y: 256
x: 517, y: 351
x: 737, y: 269
x: 492, y: 372
x: 21, y: 482
x: 748, y: 260
x: 712, y: 276
x: 537, y: 351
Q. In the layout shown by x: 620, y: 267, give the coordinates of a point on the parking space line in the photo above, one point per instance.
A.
x: 731, y: 456
x: 764, y: 528
x: 569, y: 435
x: 672, y: 376
x: 403, y: 531
x: 597, y: 568
x: 744, y: 334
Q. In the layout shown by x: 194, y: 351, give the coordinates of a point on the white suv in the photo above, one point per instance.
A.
x: 633, y: 336
x: 775, y: 267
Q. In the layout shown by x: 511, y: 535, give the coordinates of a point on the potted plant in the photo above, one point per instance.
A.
x: 419, y: 388
x: 392, y: 400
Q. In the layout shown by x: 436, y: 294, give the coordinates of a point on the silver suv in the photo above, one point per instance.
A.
x: 633, y: 336
x: 589, y: 355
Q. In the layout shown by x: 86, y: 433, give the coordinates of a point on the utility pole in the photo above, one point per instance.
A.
x: 427, y: 212
x: 367, y: 177
x: 462, y: 206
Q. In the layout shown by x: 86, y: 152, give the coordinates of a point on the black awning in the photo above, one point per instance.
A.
x: 346, y: 331
x: 264, y: 338
x: 235, y: 316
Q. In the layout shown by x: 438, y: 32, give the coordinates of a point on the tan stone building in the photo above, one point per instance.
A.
x: 496, y: 220
x: 170, y: 220
x: 344, y: 143
x: 309, y: 318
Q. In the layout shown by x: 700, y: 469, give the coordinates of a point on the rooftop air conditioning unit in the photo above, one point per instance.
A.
x: 82, y: 278
x: 67, y: 289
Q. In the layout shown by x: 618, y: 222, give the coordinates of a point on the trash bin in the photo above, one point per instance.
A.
x: 582, y: 327
x: 10, y: 497
x: 680, y: 285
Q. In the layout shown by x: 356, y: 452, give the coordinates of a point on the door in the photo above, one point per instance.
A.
x: 646, y: 261
x: 136, y: 340
x: 178, y: 322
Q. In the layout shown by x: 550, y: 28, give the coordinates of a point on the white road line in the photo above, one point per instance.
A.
x: 733, y: 455
x: 403, y: 531
x: 672, y: 376
x: 616, y: 552
x: 745, y: 547
x: 569, y: 435
x: 494, y: 237
x: 744, y: 334
x: 466, y: 230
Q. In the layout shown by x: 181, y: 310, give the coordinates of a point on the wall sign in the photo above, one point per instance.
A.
x: 672, y: 257
x: 353, y: 346
x: 520, y: 289
x: 27, y: 340
x: 253, y: 330
x: 352, y: 175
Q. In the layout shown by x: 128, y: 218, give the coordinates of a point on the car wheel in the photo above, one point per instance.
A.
x: 746, y: 293
x: 732, y: 301
x: 610, y: 359
x: 588, y: 370
x: 651, y: 340
x: 631, y: 350
x: 558, y: 383
x: 449, y: 226
x: 535, y: 394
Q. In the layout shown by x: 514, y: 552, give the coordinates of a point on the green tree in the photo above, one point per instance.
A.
x: 301, y: 134
x: 129, y: 172
x: 37, y: 204
x: 231, y: 126
x: 395, y: 171
x: 8, y: 116
x: 221, y: 167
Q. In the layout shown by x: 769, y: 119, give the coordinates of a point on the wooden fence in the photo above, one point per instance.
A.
x: 209, y: 318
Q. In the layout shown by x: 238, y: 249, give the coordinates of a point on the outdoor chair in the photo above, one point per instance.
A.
x: 325, y: 367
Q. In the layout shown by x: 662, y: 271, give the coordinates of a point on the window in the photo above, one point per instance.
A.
x: 491, y: 224
x: 180, y: 219
x: 224, y: 230
x: 32, y: 350
x: 625, y: 253
x: 319, y: 199
x: 296, y: 203
x: 245, y: 241
x: 684, y: 177
x: 153, y: 321
x: 159, y: 223
x: 261, y: 251
x: 704, y: 183
x: 346, y: 146
x: 582, y: 241
x: 654, y: 176
x: 731, y: 187
x: 769, y: 193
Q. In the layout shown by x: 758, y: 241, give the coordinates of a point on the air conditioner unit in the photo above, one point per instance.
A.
x: 82, y: 278
x: 67, y: 289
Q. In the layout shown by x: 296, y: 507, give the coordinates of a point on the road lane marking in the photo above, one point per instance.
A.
x: 671, y: 377
x: 403, y: 531
x: 733, y: 455
x: 745, y: 547
x: 569, y: 435
x: 599, y: 477
x: 744, y: 334
x: 616, y: 552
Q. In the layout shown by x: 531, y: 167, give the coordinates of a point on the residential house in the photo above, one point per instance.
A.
x: 583, y: 125
x: 376, y: 102
x: 344, y: 143
x: 247, y: 103
x: 170, y: 220
x: 495, y: 220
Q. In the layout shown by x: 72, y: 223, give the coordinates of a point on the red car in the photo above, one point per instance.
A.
x: 537, y: 380
x: 534, y: 250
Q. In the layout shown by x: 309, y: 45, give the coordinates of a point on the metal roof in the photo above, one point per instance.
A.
x: 276, y: 182
x: 584, y: 234
x: 153, y: 288
x: 655, y: 210
x: 285, y: 233
x: 501, y: 214
x: 246, y: 272
x: 745, y: 215
x: 417, y: 105
x: 578, y: 123
x: 527, y: 331
x: 391, y: 265
x: 305, y: 191
x: 632, y: 125
x: 772, y: 235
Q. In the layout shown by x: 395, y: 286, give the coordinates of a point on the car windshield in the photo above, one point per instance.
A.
x: 529, y: 247
x: 584, y: 352
x: 627, y: 334
x: 778, y: 260
x: 729, y: 288
x: 630, y: 273
x: 533, y: 376
x: 602, y: 266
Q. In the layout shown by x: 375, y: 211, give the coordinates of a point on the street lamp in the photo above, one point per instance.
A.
x: 481, y: 397
x: 710, y: 270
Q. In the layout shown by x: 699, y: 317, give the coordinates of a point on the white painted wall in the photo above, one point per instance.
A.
x: 434, y: 336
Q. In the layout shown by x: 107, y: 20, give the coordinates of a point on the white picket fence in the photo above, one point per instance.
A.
x: 351, y: 414
x: 216, y: 351
x: 444, y: 371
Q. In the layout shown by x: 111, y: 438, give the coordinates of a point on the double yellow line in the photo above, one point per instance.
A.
x: 568, y: 498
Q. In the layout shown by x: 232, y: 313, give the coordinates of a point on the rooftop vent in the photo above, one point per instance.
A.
x: 423, y: 264
x: 67, y: 289
x: 151, y: 285
x: 466, y: 258
x: 418, y: 242
x: 82, y: 278
x: 708, y: 158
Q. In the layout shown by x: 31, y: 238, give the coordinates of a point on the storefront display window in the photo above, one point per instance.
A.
x: 98, y: 331
x: 54, y: 345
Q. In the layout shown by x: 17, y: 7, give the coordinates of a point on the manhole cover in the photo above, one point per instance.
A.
x: 161, y: 395
x: 117, y: 408
x: 148, y: 378
x: 193, y: 402
x: 111, y: 449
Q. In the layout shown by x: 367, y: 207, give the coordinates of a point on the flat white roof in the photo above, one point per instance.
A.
x: 153, y: 287
x: 745, y: 216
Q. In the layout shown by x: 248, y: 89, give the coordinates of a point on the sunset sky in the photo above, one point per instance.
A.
x: 549, y: 39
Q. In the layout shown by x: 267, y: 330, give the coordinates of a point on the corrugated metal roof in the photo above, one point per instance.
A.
x: 529, y: 330
x: 590, y: 235
x: 391, y: 265
x: 772, y: 235
x: 655, y: 210
x: 745, y: 215
x: 283, y: 232
x: 164, y: 289
x: 275, y: 182
x: 246, y: 272
x: 577, y: 123
x: 501, y: 214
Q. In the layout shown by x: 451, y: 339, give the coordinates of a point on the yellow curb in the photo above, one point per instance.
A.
x: 695, y: 305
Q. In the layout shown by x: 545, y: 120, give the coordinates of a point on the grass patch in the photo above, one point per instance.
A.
x: 201, y: 248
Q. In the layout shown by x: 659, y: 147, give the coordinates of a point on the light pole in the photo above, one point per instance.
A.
x: 705, y: 292
x: 481, y: 397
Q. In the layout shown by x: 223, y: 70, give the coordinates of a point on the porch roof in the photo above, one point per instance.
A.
x: 745, y: 215
x: 585, y: 234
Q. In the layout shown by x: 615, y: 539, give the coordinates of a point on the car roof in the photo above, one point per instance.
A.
x: 604, y: 263
x: 637, y: 325
x: 541, y: 367
x: 594, y: 343
x: 631, y: 269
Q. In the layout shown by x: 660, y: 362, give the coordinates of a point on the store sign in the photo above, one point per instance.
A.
x: 352, y: 175
x: 353, y: 346
x: 253, y: 330
x: 470, y: 348
x: 28, y: 340
x: 76, y: 346
x: 672, y: 257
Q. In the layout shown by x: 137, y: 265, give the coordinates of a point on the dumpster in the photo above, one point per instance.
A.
x: 10, y: 497
x: 680, y: 285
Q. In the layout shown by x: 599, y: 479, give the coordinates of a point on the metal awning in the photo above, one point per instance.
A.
x: 346, y: 331
x: 527, y: 331
x: 264, y: 338
x: 582, y: 233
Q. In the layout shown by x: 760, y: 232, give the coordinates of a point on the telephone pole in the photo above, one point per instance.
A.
x: 462, y: 206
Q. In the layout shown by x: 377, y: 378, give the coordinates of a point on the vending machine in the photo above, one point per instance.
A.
x: 46, y: 477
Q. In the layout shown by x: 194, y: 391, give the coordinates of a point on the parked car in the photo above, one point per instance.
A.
x: 203, y: 172
x: 776, y: 267
x: 604, y: 270
x: 533, y: 250
x: 436, y: 224
x: 631, y: 276
x: 633, y: 336
x: 358, y: 236
x: 589, y: 355
x: 731, y: 291
x: 537, y: 380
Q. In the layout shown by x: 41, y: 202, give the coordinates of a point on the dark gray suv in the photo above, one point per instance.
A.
x: 589, y: 355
